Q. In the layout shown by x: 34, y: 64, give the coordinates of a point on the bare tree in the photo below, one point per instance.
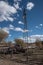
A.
x: 3, y: 35
x: 38, y: 43
x: 20, y: 42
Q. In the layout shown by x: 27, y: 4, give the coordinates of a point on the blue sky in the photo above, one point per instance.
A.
x: 11, y: 18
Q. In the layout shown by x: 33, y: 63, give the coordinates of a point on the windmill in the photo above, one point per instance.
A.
x: 25, y: 34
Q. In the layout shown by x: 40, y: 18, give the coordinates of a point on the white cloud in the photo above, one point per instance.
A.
x: 16, y: 0
x: 16, y: 5
x: 10, y: 35
x: 20, y: 22
x: 32, y: 38
x: 6, y: 11
x: 30, y: 5
x: 41, y: 25
x: 39, y: 37
x: 13, y: 41
x: 19, y: 0
x: 36, y: 26
x: 25, y: 30
x: 19, y: 29
x: 11, y: 27
x: 6, y: 29
x: 10, y: 18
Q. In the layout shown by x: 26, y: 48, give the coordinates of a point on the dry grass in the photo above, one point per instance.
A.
x: 36, y: 58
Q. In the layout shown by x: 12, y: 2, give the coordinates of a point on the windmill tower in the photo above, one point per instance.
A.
x: 25, y: 34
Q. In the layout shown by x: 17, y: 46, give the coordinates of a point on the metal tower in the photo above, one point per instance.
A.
x: 25, y: 34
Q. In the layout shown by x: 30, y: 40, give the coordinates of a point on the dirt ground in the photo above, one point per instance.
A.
x: 8, y: 62
x: 20, y: 59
